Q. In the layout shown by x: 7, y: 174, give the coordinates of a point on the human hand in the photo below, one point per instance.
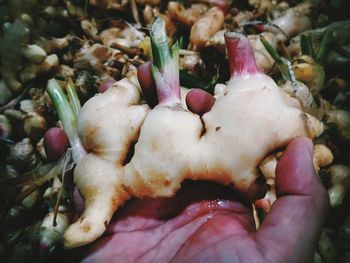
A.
x: 206, y: 223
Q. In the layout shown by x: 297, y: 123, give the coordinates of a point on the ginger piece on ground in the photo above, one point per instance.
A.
x: 205, y: 27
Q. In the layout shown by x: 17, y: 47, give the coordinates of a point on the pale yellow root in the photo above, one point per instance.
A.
x: 185, y: 16
x: 340, y: 179
x: 205, y: 27
x: 322, y: 157
x: 175, y: 145
x: 102, y: 191
x: 250, y: 120
x: 264, y: 61
x: 110, y: 122
x: 108, y: 125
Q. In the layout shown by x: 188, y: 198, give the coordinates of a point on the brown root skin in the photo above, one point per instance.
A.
x: 185, y: 16
x: 92, y: 58
x: 51, y: 45
x: 210, y: 23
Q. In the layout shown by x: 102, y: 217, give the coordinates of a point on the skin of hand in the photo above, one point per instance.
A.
x: 205, y: 222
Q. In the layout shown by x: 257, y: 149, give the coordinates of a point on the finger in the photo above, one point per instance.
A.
x: 199, y: 101
x: 292, y: 227
x: 104, y: 86
x: 147, y: 84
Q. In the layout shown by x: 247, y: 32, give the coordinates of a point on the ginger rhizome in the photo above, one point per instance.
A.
x: 135, y: 151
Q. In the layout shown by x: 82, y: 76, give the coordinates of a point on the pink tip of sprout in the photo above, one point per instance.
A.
x: 240, y: 55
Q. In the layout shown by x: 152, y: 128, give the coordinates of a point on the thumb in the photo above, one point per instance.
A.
x: 291, y: 230
x: 148, y: 87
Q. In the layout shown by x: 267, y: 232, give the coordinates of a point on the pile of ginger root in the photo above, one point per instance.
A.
x: 134, y: 150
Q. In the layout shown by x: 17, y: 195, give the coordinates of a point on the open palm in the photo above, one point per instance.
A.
x: 205, y: 222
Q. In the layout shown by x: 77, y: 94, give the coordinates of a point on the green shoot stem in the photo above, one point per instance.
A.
x: 50, y: 174
x: 324, y: 47
x: 306, y: 46
x: 159, y: 43
x: 59, y: 195
x: 67, y: 117
x: 282, y: 66
x: 63, y: 108
x: 165, y: 68
x: 270, y: 49
x: 291, y: 75
x: 73, y: 97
